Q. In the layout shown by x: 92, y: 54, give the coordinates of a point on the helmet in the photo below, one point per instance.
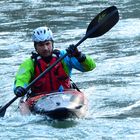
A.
x: 42, y: 34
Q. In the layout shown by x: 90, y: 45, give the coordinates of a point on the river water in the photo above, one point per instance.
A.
x: 112, y: 88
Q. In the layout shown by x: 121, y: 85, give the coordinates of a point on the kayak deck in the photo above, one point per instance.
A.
x: 61, y: 105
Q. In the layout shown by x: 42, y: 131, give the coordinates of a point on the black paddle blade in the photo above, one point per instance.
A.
x: 2, y: 112
x: 3, y: 108
x: 103, y: 22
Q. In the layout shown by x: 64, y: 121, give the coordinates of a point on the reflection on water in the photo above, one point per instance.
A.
x: 62, y: 124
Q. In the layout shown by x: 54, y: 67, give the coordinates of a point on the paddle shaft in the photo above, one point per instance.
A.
x: 8, y: 104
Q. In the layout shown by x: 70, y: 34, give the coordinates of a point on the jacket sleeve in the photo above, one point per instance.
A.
x: 88, y: 64
x: 24, y: 73
x: 71, y: 62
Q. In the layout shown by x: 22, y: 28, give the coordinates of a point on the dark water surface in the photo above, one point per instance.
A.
x: 112, y: 88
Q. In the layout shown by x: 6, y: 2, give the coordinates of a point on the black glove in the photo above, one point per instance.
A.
x: 20, y: 91
x: 74, y: 52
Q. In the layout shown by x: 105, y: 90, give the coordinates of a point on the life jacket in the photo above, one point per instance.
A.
x: 52, y: 80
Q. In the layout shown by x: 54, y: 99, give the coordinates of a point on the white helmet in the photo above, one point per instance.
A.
x: 42, y: 34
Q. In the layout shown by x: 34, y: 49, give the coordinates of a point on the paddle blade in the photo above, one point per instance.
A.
x: 103, y: 22
x: 2, y: 112
x: 3, y: 108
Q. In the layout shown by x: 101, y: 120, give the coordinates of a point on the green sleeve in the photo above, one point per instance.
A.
x: 25, y: 73
x: 88, y: 64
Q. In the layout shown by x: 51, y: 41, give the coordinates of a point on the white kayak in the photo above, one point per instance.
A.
x: 57, y: 105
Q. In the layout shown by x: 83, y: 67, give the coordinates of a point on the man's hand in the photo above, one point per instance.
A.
x: 73, y: 51
x: 20, y: 91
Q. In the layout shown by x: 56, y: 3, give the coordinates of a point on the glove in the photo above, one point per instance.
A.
x: 73, y: 51
x: 20, y: 91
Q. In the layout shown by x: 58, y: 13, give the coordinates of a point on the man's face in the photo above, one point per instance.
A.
x: 45, y: 48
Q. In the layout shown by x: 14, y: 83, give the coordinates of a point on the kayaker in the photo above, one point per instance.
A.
x: 45, y: 55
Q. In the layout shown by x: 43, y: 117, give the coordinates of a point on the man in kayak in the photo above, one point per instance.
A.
x: 58, y: 78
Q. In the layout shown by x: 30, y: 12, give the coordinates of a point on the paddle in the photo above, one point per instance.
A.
x: 102, y: 23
